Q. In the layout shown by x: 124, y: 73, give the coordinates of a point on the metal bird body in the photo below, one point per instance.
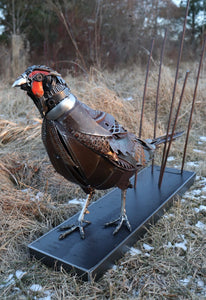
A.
x: 91, y: 156
x: 87, y: 147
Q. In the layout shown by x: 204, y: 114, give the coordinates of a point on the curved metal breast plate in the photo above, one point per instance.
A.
x: 80, y: 120
x: 78, y: 163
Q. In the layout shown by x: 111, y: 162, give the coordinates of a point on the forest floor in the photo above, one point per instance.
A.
x: 169, y: 262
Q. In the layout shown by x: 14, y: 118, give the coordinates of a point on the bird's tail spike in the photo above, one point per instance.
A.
x: 166, y: 138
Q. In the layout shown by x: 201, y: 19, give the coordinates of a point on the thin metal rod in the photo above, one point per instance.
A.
x: 175, y: 123
x: 158, y: 84
x: 158, y: 87
x: 193, y: 104
x: 145, y: 88
x: 163, y: 164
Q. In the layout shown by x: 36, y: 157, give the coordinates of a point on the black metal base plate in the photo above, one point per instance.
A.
x: 90, y: 257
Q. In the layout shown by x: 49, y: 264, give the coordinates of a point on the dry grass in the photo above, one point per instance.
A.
x: 33, y: 198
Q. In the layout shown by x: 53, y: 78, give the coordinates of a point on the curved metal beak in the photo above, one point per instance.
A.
x: 19, y: 81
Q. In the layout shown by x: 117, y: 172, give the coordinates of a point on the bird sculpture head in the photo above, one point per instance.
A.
x: 44, y: 85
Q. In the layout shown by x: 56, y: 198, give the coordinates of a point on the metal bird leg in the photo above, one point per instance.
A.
x: 79, y: 225
x: 123, y: 216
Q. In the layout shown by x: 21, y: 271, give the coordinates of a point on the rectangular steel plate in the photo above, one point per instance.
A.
x: 91, y: 257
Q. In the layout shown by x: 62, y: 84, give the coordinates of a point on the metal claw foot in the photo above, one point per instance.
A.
x: 79, y: 225
x: 73, y: 227
x: 123, y: 218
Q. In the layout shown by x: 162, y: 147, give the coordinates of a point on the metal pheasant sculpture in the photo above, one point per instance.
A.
x: 87, y: 147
